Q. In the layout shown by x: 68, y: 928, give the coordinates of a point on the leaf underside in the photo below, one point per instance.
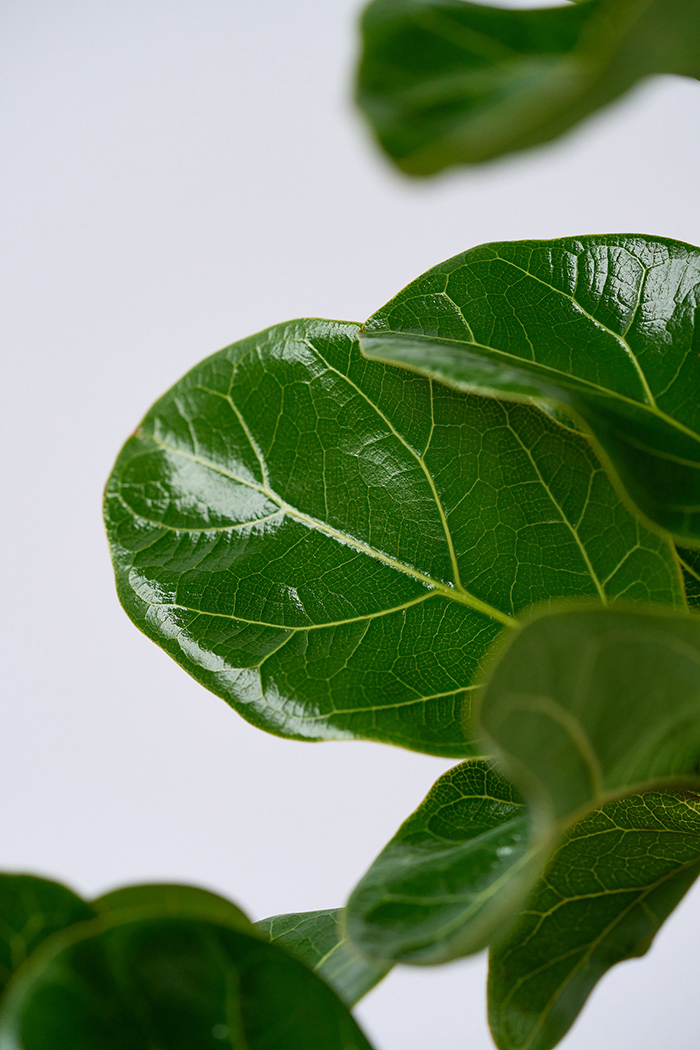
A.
x: 332, y: 544
x: 612, y: 882
x: 601, y: 326
x: 446, y: 82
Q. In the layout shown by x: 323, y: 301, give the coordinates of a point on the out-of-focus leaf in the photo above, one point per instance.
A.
x: 610, y: 885
x: 446, y: 82
x: 175, y: 900
x: 161, y: 981
x: 331, y: 544
x: 602, y: 325
x: 434, y: 892
x: 32, y: 909
x: 319, y: 940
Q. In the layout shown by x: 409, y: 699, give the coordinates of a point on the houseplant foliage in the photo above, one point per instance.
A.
x: 486, y: 553
x: 172, y: 966
x: 447, y: 82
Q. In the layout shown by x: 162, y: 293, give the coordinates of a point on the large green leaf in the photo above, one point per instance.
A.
x: 690, y: 564
x: 441, y: 887
x: 608, y: 888
x: 318, y: 939
x: 447, y: 82
x: 603, y: 326
x: 129, y: 979
x: 32, y: 909
x: 332, y: 545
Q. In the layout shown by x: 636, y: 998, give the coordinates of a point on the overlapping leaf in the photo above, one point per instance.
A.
x: 446, y: 82
x: 332, y: 545
x: 32, y: 909
x: 589, y: 711
x: 172, y: 966
x: 603, y: 326
x: 612, y: 882
x: 319, y: 940
x: 433, y: 893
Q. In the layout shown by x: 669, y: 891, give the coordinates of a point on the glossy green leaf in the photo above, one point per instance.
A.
x: 446, y: 82
x: 602, y: 326
x: 332, y: 545
x: 612, y: 882
x: 32, y: 909
x: 175, y: 983
x: 433, y: 893
x: 318, y: 939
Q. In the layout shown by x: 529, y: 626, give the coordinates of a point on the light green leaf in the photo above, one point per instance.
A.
x: 441, y: 887
x: 331, y: 545
x: 446, y: 82
x: 319, y: 940
x: 612, y: 882
x: 32, y: 909
x: 176, y: 982
x: 602, y: 326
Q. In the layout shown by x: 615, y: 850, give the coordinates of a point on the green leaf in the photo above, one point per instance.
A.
x: 602, y: 326
x: 587, y: 705
x: 331, y: 545
x: 32, y: 909
x: 175, y: 900
x: 433, y: 893
x: 445, y: 82
x: 612, y: 882
x: 690, y: 564
x: 180, y: 983
x: 319, y: 940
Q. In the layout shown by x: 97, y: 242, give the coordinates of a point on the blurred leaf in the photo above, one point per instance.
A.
x: 317, y: 938
x: 602, y: 326
x: 446, y: 82
x: 587, y: 705
x: 175, y: 900
x: 612, y: 882
x: 331, y: 544
x: 174, y: 983
x: 32, y: 909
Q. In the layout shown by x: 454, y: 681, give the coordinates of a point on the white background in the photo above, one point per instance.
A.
x: 177, y: 174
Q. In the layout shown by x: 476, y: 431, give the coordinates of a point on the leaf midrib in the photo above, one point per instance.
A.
x: 455, y: 593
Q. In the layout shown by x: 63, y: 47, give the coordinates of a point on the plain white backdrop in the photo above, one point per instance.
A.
x: 175, y: 175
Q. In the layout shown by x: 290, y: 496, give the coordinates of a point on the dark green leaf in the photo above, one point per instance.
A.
x: 603, y: 326
x: 175, y: 900
x: 31, y: 909
x: 612, y: 882
x: 319, y: 940
x: 690, y: 564
x: 446, y: 82
x: 331, y: 544
x: 180, y: 983
x: 433, y: 893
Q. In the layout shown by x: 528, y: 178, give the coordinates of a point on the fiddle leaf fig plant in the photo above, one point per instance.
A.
x: 488, y: 553
x: 447, y: 82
